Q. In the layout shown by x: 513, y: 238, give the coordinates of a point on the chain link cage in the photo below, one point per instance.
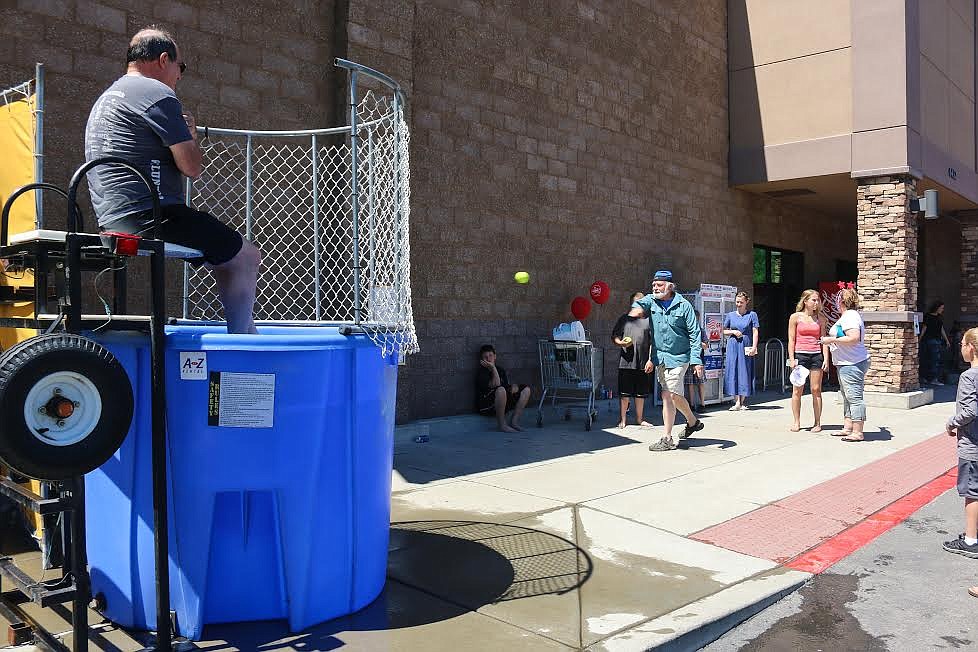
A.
x: 329, y: 210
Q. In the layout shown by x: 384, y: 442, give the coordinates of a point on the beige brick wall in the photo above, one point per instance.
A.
x: 577, y: 140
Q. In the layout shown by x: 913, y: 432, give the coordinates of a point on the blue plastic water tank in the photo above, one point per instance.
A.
x: 280, y: 456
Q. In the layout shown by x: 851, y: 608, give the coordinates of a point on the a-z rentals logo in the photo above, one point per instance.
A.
x: 193, y: 365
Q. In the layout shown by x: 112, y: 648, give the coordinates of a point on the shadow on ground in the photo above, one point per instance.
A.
x: 437, y: 570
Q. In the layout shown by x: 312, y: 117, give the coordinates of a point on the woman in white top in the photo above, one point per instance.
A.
x: 851, y: 359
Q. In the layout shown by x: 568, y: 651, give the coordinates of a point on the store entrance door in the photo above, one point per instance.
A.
x: 778, y: 282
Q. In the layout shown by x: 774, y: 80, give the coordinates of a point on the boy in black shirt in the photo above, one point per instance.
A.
x: 495, y: 396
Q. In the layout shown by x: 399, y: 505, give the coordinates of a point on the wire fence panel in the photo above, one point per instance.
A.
x: 329, y: 210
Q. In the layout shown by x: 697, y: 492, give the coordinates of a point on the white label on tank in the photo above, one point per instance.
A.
x: 243, y: 400
x: 193, y: 365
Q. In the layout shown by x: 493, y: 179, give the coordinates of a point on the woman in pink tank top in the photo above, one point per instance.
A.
x: 805, y: 329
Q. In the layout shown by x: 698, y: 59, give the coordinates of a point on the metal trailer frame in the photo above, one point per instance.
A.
x: 583, y: 376
x: 66, y: 261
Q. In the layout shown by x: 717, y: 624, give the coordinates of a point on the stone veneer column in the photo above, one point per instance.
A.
x: 969, y: 269
x: 887, y: 235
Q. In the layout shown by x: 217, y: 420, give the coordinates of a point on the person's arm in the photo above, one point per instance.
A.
x: 967, y: 407
x: 619, y: 331
x: 695, y: 339
x: 851, y: 334
x: 822, y: 326
x: 947, y: 342
x: 642, y: 307
x: 923, y: 330
x: 757, y: 333
x: 792, y: 322
x: 733, y: 332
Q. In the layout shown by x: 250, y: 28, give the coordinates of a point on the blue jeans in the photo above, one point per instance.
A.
x: 931, y: 359
x: 852, y: 381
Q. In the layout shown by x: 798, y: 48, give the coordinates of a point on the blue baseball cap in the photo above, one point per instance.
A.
x: 662, y: 275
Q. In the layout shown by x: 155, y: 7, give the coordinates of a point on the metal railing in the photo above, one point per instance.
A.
x: 775, y: 362
x: 328, y: 208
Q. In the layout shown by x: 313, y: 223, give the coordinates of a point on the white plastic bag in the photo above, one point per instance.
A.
x: 572, y: 332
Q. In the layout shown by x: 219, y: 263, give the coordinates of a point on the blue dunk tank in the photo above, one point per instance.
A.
x: 280, y: 444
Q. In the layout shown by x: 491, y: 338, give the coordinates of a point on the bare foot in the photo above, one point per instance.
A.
x: 795, y: 428
x: 817, y: 428
x: 646, y: 424
x: 622, y: 424
x: 506, y: 428
x: 516, y: 426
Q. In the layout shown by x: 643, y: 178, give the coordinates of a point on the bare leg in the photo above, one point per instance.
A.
x: 681, y: 405
x: 816, y: 378
x: 520, y: 405
x: 668, y: 411
x: 971, y: 518
x: 796, y: 393
x: 640, y: 411
x: 236, y: 281
x: 500, y: 406
x: 624, y: 411
x: 702, y: 393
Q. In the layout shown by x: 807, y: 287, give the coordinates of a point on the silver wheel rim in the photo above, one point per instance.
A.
x: 73, y: 429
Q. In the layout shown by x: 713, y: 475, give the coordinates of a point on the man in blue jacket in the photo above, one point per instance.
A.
x: 675, y: 346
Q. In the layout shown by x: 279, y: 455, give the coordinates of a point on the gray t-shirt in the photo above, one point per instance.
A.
x: 137, y: 119
x: 964, y: 416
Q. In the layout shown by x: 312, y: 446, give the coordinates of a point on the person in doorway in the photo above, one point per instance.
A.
x: 806, y: 327
x: 140, y: 119
x: 694, y: 384
x: 742, y: 330
x: 846, y: 341
x: 495, y: 395
x: 933, y: 343
x: 964, y: 426
x: 675, y: 346
x: 633, y: 336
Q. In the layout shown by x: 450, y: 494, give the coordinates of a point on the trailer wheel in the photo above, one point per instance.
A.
x: 65, y: 406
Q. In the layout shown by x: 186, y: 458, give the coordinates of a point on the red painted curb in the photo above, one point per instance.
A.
x: 823, y: 556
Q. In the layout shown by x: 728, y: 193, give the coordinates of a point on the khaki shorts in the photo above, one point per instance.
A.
x: 671, y: 379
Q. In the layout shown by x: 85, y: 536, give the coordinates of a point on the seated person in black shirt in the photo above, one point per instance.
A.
x: 494, y: 395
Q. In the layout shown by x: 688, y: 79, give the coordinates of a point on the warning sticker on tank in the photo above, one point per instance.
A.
x: 193, y: 365
x: 236, y: 400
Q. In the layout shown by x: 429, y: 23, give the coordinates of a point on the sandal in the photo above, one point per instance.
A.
x: 794, y: 429
x: 817, y: 429
x: 973, y: 591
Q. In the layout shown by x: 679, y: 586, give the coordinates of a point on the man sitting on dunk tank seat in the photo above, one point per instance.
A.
x: 140, y: 119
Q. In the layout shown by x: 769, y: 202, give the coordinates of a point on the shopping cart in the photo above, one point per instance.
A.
x: 570, y: 370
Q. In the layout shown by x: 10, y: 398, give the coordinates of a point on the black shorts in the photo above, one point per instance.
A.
x: 810, y: 361
x: 188, y: 227
x: 487, y: 402
x: 634, y: 382
x: 967, y: 479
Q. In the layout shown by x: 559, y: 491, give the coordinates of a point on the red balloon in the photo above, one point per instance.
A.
x: 600, y: 292
x: 581, y: 307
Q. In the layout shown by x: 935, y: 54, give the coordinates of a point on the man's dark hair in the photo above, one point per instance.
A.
x: 150, y: 45
x: 486, y: 348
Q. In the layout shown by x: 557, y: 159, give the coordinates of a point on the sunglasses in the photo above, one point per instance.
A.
x: 183, y: 67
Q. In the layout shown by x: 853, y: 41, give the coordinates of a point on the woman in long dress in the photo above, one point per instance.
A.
x: 742, y: 330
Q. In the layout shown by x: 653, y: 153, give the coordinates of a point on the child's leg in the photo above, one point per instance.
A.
x: 971, y: 518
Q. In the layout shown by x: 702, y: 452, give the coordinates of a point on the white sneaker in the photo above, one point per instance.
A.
x: 939, y: 383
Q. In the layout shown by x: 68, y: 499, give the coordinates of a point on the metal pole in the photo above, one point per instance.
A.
x: 39, y: 142
x: 399, y: 210
x: 79, y: 567
x: 186, y: 265
x: 372, y: 210
x: 354, y: 199
x: 161, y: 534
x: 315, y: 226
x: 248, y: 189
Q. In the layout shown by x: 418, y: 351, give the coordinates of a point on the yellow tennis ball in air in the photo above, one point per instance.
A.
x: 522, y: 277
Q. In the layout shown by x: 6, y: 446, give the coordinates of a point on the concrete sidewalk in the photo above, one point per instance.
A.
x: 557, y: 538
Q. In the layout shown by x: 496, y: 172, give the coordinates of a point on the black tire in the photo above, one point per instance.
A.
x: 30, y: 363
